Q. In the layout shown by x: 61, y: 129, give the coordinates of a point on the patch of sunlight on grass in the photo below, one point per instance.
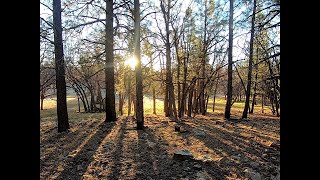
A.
x: 147, y: 107
x: 52, y: 102
x: 50, y: 111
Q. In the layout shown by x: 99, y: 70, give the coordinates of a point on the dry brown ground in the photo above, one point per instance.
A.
x: 97, y: 150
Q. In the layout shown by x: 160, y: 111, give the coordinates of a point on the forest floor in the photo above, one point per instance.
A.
x: 221, y: 149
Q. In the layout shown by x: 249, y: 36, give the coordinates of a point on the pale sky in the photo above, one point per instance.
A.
x: 238, y: 41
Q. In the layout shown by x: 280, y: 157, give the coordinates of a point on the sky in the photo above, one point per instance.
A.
x: 238, y: 41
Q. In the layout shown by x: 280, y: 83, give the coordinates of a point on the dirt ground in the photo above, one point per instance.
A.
x: 221, y: 149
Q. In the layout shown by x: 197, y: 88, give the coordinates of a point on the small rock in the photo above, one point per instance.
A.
x: 199, y: 133
x: 139, y: 173
x: 182, y: 155
x: 197, y: 167
x: 79, y: 167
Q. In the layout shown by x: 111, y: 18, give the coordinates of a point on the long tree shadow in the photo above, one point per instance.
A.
x: 146, y: 160
x: 69, y: 141
x: 118, y: 152
x: 254, y: 127
x: 154, y: 148
x: 235, y: 138
x: 246, y: 152
x: 79, y: 164
x: 55, y: 136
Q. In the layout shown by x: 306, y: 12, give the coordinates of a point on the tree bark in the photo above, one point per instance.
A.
x: 229, y: 88
x: 203, y: 63
x: 215, y: 93
x: 246, y: 106
x: 254, y: 94
x: 120, y: 104
x: 168, y: 94
x: 109, y: 66
x: 92, y: 101
x: 62, y: 112
x: 190, y: 101
x: 139, y: 88
x: 207, y: 101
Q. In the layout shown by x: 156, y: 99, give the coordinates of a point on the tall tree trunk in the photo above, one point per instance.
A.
x: 195, y: 102
x: 176, y: 44
x: 203, y: 63
x: 62, y: 112
x: 182, y: 109
x: 120, y: 104
x: 190, y: 101
x: 134, y: 106
x: 129, y: 104
x: 109, y: 66
x: 139, y: 88
x: 92, y: 101
x: 227, y: 112
x: 86, y: 101
x: 172, y: 101
x: 254, y: 94
x: 246, y: 106
x: 207, y: 101
x: 168, y: 94
x: 215, y: 93
x: 275, y: 86
x: 154, y: 100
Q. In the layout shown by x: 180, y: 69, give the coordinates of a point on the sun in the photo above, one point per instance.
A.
x: 132, y: 61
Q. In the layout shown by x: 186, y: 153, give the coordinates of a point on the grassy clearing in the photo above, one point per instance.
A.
x: 49, y: 112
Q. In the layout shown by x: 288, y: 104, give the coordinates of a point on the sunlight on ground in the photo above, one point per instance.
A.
x: 49, y: 112
x: 52, y: 102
